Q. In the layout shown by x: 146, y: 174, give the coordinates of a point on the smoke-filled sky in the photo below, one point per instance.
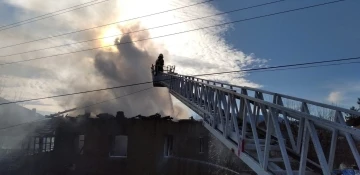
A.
x: 284, y: 39
x: 192, y: 53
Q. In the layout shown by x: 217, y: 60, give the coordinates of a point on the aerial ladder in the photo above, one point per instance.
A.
x: 268, y: 135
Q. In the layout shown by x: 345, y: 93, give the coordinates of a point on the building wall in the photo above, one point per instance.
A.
x: 145, y: 149
x: 146, y: 145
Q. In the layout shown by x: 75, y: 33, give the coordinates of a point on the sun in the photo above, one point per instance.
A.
x: 108, y: 35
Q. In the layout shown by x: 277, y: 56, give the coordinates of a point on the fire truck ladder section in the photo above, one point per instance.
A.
x: 271, y: 132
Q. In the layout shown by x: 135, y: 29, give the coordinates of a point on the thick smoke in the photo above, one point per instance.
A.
x: 196, y: 52
x: 129, y: 64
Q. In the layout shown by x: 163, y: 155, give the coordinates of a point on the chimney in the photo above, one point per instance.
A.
x: 120, y: 115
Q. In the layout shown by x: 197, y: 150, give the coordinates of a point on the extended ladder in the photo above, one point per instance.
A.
x: 268, y: 134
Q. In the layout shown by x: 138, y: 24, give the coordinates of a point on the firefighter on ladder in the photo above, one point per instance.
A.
x: 159, y: 64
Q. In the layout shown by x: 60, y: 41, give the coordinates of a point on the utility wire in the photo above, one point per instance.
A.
x: 77, y: 31
x: 283, y: 66
x: 77, y: 108
x: 51, y: 14
x: 94, y: 39
x: 13, y: 126
x: 162, y: 36
x: 198, y: 75
x: 76, y: 93
x: 305, y: 67
x: 86, y: 106
x: 302, y: 67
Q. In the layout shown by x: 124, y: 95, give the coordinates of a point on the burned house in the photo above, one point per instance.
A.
x: 119, y: 145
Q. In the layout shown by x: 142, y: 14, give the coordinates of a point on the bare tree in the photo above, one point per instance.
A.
x: 292, y: 104
x: 325, y: 113
x: 354, y: 120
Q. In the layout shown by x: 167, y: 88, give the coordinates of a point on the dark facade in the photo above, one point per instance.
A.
x: 119, y: 145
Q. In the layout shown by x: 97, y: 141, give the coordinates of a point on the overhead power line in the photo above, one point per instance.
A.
x: 86, y: 29
x: 86, y: 106
x: 293, y: 68
x: 76, y: 93
x: 162, y: 36
x: 94, y: 39
x: 198, y: 75
x: 51, y: 14
x: 305, y: 67
x: 25, y: 123
x: 77, y: 108
x: 283, y: 66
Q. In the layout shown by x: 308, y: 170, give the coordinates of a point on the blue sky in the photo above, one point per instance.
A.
x: 320, y: 33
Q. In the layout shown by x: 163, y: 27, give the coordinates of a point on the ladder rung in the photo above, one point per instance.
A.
x: 283, y: 172
x: 262, y: 147
x: 280, y: 159
x: 277, y: 159
x: 253, y: 140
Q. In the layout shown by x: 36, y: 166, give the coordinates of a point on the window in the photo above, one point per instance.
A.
x: 44, y: 144
x: 37, y: 145
x: 48, y: 144
x: 81, y: 144
x: 168, y: 145
x: 52, y: 143
x: 119, y: 146
x: 201, y: 143
x: 31, y: 146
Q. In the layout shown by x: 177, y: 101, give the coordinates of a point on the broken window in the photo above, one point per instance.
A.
x: 43, y: 144
x: 52, y: 143
x: 168, y: 145
x: 37, y: 145
x: 119, y: 146
x: 48, y: 144
x: 31, y: 146
x: 81, y: 144
x: 40, y: 144
x: 201, y: 144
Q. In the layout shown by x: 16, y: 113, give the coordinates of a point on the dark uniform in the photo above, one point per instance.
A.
x: 159, y: 64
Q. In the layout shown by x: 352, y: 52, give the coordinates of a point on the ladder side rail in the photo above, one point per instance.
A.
x: 296, y: 114
x: 275, y: 123
x: 229, y: 143
x: 306, y: 127
x: 336, y: 108
x: 349, y: 139
x: 255, y: 135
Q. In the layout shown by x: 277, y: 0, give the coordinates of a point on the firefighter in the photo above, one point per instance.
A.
x: 159, y: 64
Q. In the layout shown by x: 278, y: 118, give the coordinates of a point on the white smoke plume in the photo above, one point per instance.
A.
x: 192, y: 53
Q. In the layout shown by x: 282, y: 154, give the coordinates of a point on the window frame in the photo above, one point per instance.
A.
x: 169, y: 146
x: 201, y: 145
x: 113, y: 144
x: 81, y: 143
